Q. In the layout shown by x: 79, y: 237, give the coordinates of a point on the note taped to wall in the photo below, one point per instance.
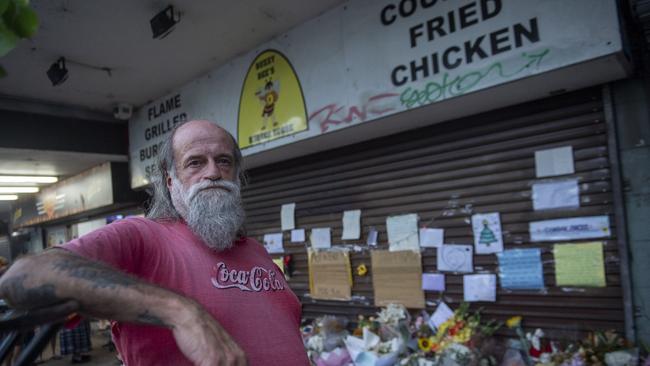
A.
x: 579, y: 265
x: 521, y: 269
x: 287, y: 216
x: 403, y: 232
x: 330, y: 275
x: 351, y: 225
x: 397, y: 278
x: 588, y: 227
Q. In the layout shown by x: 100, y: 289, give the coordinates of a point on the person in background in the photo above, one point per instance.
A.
x: 185, y: 285
x: 75, y: 341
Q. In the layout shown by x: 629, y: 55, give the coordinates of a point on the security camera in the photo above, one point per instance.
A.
x: 123, y: 111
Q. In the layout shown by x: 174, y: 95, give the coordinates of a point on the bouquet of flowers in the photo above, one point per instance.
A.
x: 379, y: 341
x: 323, y: 340
x: 461, y: 340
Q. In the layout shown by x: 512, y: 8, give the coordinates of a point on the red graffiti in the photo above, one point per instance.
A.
x: 334, y: 114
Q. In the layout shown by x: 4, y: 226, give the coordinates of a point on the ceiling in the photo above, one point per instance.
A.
x: 116, y: 34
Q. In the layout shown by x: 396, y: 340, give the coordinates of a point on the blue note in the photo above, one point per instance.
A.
x: 521, y: 269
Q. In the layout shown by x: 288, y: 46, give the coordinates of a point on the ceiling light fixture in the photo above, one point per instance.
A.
x: 8, y: 197
x: 27, y: 179
x: 163, y: 23
x: 58, y: 73
x: 18, y: 189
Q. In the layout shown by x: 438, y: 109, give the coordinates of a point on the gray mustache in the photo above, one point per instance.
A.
x: 231, y: 187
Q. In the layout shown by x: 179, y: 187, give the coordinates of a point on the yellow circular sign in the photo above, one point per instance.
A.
x: 271, y: 104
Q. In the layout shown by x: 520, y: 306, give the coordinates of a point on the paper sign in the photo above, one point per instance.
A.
x: 330, y: 275
x: 298, y: 236
x: 553, y: 162
x: 280, y: 263
x: 579, y: 265
x: 287, y: 216
x: 521, y: 269
x: 372, y: 237
x: 402, y: 232
x: 487, y: 233
x: 397, y: 278
x: 455, y: 258
x: 431, y: 238
x: 480, y: 287
x: 570, y: 229
x: 433, y: 282
x: 550, y: 195
x: 320, y: 238
x: 351, y: 225
x: 441, y: 315
x: 273, y: 243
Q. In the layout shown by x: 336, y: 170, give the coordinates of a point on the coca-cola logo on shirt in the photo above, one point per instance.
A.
x: 257, y: 279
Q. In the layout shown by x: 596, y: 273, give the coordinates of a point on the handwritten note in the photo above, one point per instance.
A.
x: 330, y: 275
x: 351, y: 225
x: 397, y: 278
x: 402, y: 232
x: 521, y: 269
x: 431, y: 238
x: 433, y: 282
x: 559, y: 194
x: 579, y: 265
x: 480, y: 287
x: 287, y: 216
x: 273, y: 243
x: 298, y: 236
x: 455, y: 258
x: 552, y: 162
x: 441, y: 315
x: 320, y: 238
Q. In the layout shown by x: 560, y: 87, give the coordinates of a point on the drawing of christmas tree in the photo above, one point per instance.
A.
x: 487, y: 236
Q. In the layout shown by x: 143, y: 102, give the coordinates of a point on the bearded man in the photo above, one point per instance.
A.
x: 184, y: 286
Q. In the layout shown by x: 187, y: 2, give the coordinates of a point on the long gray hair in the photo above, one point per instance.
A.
x: 160, y: 203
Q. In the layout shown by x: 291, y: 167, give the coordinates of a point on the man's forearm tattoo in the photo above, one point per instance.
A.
x: 98, y: 275
x: 16, y: 293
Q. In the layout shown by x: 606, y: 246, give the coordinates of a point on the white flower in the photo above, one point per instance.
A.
x: 315, y: 343
x: 392, y: 314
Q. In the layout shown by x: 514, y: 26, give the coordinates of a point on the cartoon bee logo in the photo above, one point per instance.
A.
x: 268, y: 96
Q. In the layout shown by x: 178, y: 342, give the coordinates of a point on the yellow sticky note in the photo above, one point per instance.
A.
x: 278, y: 262
x: 579, y: 265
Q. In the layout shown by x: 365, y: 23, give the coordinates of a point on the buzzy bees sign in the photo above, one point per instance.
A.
x: 271, y: 103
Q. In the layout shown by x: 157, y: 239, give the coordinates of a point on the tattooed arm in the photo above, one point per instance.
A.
x: 58, y: 275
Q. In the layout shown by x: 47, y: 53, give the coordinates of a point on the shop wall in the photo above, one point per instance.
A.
x: 633, y: 127
x: 446, y: 173
x: 366, y: 61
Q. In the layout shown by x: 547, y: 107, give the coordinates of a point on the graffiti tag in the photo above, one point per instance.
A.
x: 461, y: 84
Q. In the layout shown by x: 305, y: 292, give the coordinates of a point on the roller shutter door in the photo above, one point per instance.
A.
x: 445, y: 173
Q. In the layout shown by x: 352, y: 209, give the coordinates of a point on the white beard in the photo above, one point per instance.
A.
x: 214, y: 214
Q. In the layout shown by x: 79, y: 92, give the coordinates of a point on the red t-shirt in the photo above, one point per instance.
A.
x: 241, y: 287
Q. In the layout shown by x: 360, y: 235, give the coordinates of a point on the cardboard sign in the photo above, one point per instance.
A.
x: 330, y: 275
x: 397, y: 278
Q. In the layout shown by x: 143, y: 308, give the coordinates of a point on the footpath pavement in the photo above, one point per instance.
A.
x: 100, y: 356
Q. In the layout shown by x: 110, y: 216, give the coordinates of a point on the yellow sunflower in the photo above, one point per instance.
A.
x: 424, y: 344
x: 362, y: 270
x: 514, y: 322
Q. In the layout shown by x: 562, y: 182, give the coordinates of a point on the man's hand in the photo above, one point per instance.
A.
x: 204, y: 342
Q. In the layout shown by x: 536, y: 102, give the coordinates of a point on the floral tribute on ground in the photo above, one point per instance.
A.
x: 394, y: 337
